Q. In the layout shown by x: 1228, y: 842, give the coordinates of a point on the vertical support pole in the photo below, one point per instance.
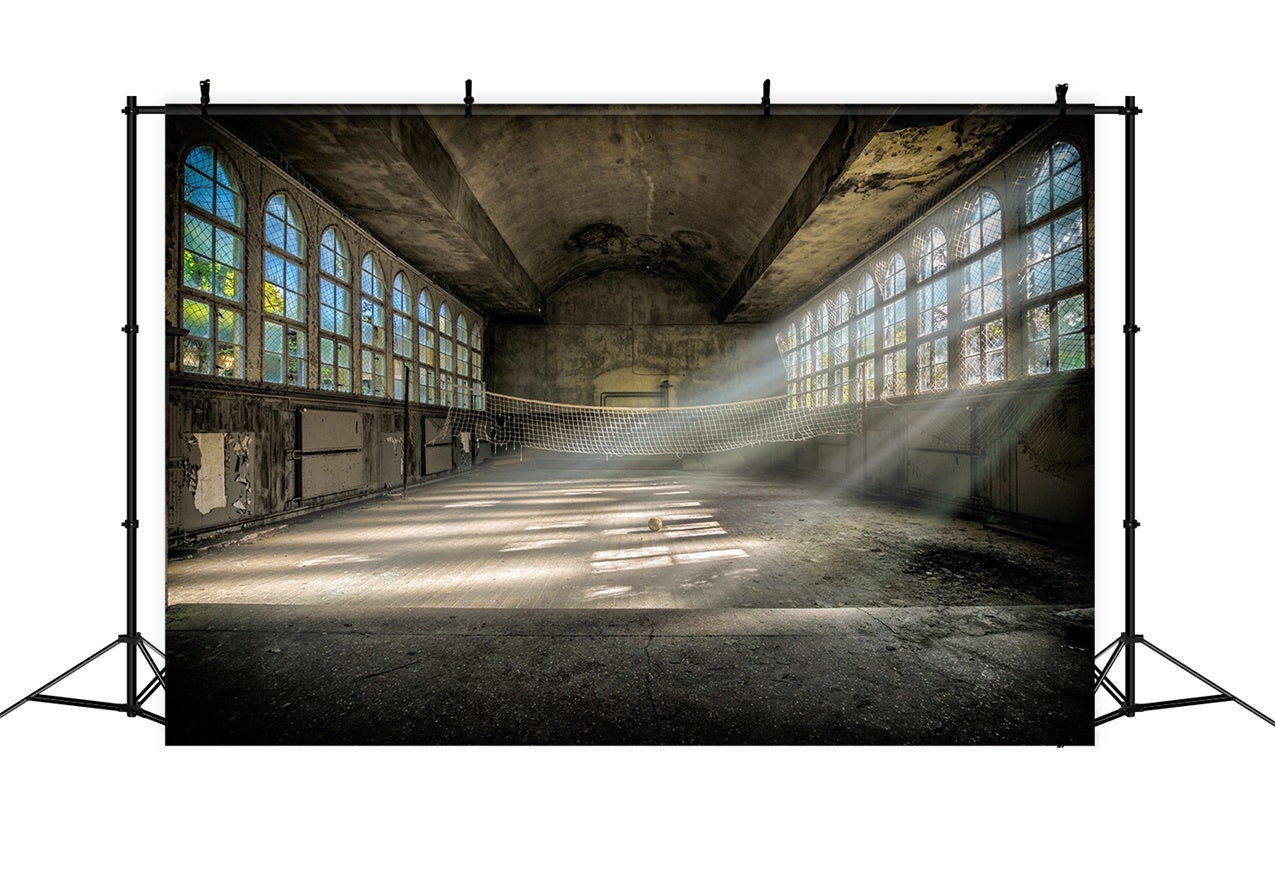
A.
x: 407, y: 391
x: 130, y: 329
x: 1130, y: 330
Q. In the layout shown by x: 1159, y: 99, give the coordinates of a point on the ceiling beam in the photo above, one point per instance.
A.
x: 413, y: 136
x: 849, y: 137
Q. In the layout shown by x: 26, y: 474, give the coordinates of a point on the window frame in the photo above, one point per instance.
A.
x: 334, y: 344
x: 290, y: 319
x: 1056, y: 304
x: 220, y: 306
x: 981, y: 330
x: 371, y: 352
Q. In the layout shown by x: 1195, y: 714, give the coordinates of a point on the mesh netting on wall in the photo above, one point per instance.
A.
x: 1054, y: 429
x: 511, y: 421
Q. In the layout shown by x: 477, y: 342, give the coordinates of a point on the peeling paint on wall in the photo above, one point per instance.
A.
x: 239, y: 448
x: 210, y: 470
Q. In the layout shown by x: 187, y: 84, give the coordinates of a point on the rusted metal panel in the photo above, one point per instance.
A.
x: 328, y: 473
x: 390, y: 460
x: 438, y: 458
x: 323, y: 430
x: 941, y: 472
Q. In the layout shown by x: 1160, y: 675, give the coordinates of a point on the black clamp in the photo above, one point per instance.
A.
x: 469, y: 98
x: 1131, y: 524
x: 204, y: 85
x: 1061, y: 102
x: 1130, y: 330
x: 129, y: 524
x: 131, y: 329
x: 765, y: 98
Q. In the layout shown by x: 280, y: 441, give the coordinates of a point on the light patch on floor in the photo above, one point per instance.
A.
x: 340, y: 559
x: 536, y: 545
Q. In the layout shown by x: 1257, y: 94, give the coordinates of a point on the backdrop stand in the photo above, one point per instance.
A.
x: 1128, y: 642
x: 135, y: 645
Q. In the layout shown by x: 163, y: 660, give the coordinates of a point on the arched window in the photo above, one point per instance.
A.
x: 865, y: 332
x: 1056, y: 182
x: 462, y: 362
x: 427, y: 360
x: 807, y: 360
x: 283, y: 295
x: 1056, y: 318
x: 841, y: 380
x: 823, y: 354
x: 372, y: 334
x: 212, y: 265
x: 931, y: 307
x: 476, y: 362
x: 791, y: 362
x: 894, y: 329
x: 335, y: 367
x: 982, y: 293
x: 402, y: 342
x: 445, y: 361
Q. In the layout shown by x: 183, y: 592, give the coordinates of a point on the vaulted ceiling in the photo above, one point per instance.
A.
x: 509, y: 206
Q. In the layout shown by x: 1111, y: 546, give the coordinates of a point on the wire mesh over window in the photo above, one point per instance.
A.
x: 334, y: 287
x: 373, y: 371
x: 1057, y: 181
x: 212, y: 259
x: 335, y: 368
x: 427, y: 358
x: 284, y: 357
x: 1055, y: 255
x: 335, y: 321
x: 212, y: 266
x: 983, y: 353
x: 283, y: 292
x: 372, y: 328
x: 402, y: 334
x: 985, y: 307
x: 213, y: 343
x: 372, y: 318
x: 1056, y: 321
x: 402, y: 316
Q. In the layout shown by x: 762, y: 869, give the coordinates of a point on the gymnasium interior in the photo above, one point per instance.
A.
x: 629, y: 425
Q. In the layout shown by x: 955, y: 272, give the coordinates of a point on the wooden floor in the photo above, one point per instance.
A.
x: 525, y: 605
x: 517, y: 536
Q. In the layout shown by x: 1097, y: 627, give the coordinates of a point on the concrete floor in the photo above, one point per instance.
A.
x: 522, y: 605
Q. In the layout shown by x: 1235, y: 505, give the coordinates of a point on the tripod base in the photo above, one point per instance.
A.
x: 133, y: 706
x: 1127, y: 643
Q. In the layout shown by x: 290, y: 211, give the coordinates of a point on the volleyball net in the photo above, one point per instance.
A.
x: 510, y: 421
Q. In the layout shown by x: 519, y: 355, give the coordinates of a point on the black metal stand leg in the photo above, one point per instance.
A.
x: 1129, y: 706
x: 1128, y: 642
x: 132, y: 641
x: 133, y: 703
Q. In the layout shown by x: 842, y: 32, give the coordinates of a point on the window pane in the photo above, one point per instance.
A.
x: 1071, y: 314
x: 198, y: 236
x: 229, y: 326
x: 1071, y: 352
x: 229, y: 249
x: 197, y: 318
x: 1069, y: 268
x: 197, y: 272
x: 274, y: 230
x: 273, y: 337
x: 1067, y: 186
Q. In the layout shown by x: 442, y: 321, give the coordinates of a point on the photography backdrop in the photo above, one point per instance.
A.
x: 859, y: 301
x: 63, y: 758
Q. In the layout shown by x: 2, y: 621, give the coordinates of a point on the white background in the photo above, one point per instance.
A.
x: 1184, y: 787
